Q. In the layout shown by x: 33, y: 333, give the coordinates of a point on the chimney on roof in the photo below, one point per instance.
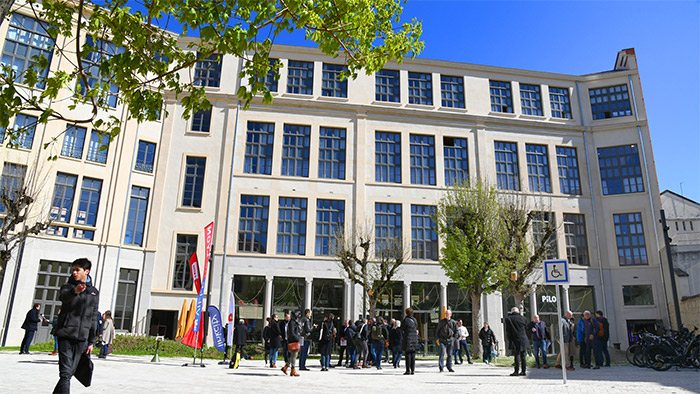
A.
x: 626, y: 60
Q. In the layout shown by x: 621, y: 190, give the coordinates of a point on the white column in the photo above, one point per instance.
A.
x: 443, y: 296
x: 533, y: 303
x: 347, y: 300
x: 307, y: 293
x: 564, y: 298
x: 267, y: 306
x: 406, y: 295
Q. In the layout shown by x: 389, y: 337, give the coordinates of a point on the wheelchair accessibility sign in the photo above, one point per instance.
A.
x: 556, y: 271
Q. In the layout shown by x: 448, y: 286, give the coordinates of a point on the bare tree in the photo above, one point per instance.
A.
x: 353, y: 254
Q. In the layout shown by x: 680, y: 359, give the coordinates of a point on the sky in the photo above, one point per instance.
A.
x: 576, y: 37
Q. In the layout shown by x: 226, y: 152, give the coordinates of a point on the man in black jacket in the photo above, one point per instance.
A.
x: 517, y: 339
x: 30, y: 326
x: 307, y: 327
x: 447, y: 334
x: 76, y: 328
x: 240, y: 336
x: 284, y: 326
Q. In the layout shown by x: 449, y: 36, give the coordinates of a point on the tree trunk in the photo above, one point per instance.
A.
x: 372, y: 305
x: 477, y: 321
x: 520, y: 303
x: 5, y: 6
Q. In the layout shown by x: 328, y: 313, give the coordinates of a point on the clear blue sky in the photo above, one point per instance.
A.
x: 582, y: 38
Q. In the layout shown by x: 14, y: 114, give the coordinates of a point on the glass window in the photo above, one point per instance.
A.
x: 531, y: 99
x: 102, y: 51
x: 501, y: 97
x: 145, y: 157
x: 330, y: 219
x: 291, y: 226
x: 295, y: 150
x: 620, y: 169
x: 73, y: 142
x: 11, y: 182
x: 258, y: 148
x: 507, y: 173
x: 422, y: 159
x: 541, y: 221
x: 252, y: 225
x: 387, y: 86
x: 300, y: 79
x: 126, y: 298
x: 424, y: 244
x: 610, y: 102
x: 89, y: 202
x: 194, y: 181
x: 207, y: 71
x: 98, y: 147
x: 249, y: 298
x: 387, y: 157
x: 629, y: 233
x: 333, y: 84
x: 456, y: 163
x: 538, y: 168
x: 567, y: 164
x: 25, y: 127
x: 136, y: 220
x: 331, y: 155
x: 26, y: 38
x: 637, y: 295
x: 272, y: 79
x: 452, y: 91
x: 576, y: 240
x: 559, y: 101
x: 182, y: 275
x: 387, y: 226
x: 62, y: 202
x: 201, y: 121
x: 420, y: 88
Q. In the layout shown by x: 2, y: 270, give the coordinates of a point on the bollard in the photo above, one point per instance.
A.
x: 156, y: 358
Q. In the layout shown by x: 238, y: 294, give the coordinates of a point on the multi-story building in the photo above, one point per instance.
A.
x: 376, y: 152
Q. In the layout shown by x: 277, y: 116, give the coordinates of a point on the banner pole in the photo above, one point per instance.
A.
x: 561, y: 335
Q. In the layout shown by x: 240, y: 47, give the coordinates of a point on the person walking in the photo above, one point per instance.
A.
x: 307, y: 328
x: 590, y: 333
x: 488, y: 339
x: 30, y: 326
x: 361, y: 336
x: 275, y: 340
x: 343, y: 345
x: 107, y: 334
x: 462, y: 344
x: 293, y: 338
x: 603, y: 337
x: 409, y: 330
x: 447, y: 334
x: 395, y: 342
x: 581, y: 343
x: 379, y: 335
x: 266, y: 340
x: 517, y: 338
x: 77, y: 327
x: 325, y: 343
x: 540, y: 336
x: 240, y: 336
x: 568, y: 330
x: 284, y: 325
x: 54, y: 323
x: 349, y: 335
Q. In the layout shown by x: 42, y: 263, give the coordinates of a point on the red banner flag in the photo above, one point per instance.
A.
x: 208, y: 235
x: 194, y: 339
x: 194, y: 269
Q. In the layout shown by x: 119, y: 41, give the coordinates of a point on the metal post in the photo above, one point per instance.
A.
x: 667, y: 242
x: 561, y: 337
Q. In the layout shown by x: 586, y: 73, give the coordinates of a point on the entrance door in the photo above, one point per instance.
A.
x: 52, y: 275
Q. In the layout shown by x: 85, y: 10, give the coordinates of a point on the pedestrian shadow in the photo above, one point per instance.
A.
x: 38, y: 362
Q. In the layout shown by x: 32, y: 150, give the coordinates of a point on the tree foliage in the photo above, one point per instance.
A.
x: 138, y: 62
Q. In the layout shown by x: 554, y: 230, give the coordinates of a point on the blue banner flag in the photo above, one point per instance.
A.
x: 198, y: 313
x: 216, y: 328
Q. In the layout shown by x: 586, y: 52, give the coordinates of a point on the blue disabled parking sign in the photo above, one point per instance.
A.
x: 556, y: 271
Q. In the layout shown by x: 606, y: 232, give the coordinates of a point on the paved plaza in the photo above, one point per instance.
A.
x: 38, y: 373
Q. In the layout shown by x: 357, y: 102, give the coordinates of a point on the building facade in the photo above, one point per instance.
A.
x: 372, y: 153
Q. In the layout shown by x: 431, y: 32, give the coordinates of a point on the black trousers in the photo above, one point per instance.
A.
x: 26, y: 341
x: 340, y: 355
x: 582, y: 353
x: 520, y: 361
x: 285, y: 350
x: 410, y: 361
x: 69, y: 352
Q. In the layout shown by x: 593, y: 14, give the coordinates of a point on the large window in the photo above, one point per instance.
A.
x: 629, y: 232
x: 387, y: 157
x: 424, y: 244
x: 145, y: 157
x: 531, y: 99
x: 576, y: 240
x: 295, y: 150
x: 272, y: 78
x: 26, y: 38
x: 25, y: 127
x: 330, y: 218
x: 62, y: 202
x: 136, y: 220
x: 637, y: 295
x: 201, y: 121
x: 331, y: 155
x: 300, y: 79
x: 73, y: 142
x: 387, y: 227
x: 452, y: 91
x: 541, y: 223
x: 12, y: 181
x: 333, y: 84
x: 422, y: 159
x: 88, y: 206
x: 620, y: 169
x: 207, y: 71
x: 126, y: 299
x: 501, y: 97
x: 420, y: 88
x: 182, y: 276
x: 291, y: 226
x: 101, y: 51
x: 252, y: 225
x: 507, y: 174
x: 98, y: 147
x: 610, y: 102
x: 387, y: 86
x: 567, y: 164
x: 456, y: 163
x: 538, y: 168
x: 559, y: 101
x: 194, y: 182
x: 258, y: 148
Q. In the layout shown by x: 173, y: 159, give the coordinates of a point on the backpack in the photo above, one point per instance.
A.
x: 377, y: 332
x: 327, y: 333
x: 446, y: 331
x: 358, y: 334
x: 601, y: 330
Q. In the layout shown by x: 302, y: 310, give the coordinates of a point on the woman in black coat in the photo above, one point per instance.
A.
x: 275, y: 341
x: 409, y: 327
x: 325, y: 345
x: 488, y: 338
